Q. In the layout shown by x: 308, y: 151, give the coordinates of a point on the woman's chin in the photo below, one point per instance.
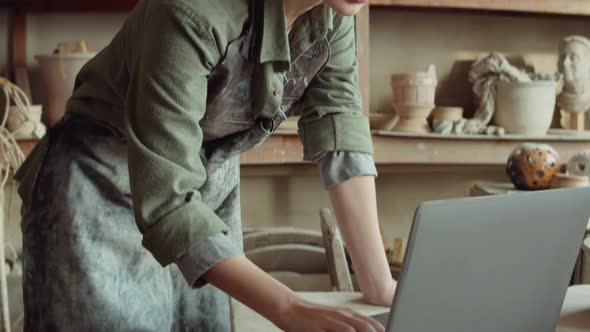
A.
x: 346, y: 7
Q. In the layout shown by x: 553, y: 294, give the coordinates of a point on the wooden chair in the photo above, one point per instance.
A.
x: 337, y: 263
x: 575, y: 313
x: 296, y: 257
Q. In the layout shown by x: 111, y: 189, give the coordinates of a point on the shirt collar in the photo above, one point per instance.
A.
x: 275, y: 40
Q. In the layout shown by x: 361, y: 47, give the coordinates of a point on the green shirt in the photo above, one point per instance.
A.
x: 151, y: 83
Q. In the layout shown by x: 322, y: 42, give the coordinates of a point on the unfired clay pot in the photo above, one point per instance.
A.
x: 413, y: 99
x: 562, y: 180
x: 533, y: 166
x: 525, y: 108
x: 59, y: 73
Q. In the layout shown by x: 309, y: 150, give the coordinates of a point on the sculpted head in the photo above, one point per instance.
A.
x: 574, y: 63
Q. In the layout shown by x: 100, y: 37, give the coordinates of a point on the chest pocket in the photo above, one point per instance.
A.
x: 229, y: 95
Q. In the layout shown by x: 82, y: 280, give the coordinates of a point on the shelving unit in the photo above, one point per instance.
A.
x: 397, y: 148
x: 390, y: 148
x: 552, y: 7
x: 69, y: 5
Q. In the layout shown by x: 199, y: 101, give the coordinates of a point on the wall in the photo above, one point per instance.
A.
x: 409, y: 40
x: 401, y: 40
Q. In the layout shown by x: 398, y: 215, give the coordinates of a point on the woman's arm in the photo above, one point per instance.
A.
x: 355, y: 206
x: 245, y: 282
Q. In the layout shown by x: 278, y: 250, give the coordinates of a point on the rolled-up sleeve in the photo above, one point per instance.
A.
x: 338, y: 167
x: 165, y: 102
x: 204, y: 256
x: 332, y: 118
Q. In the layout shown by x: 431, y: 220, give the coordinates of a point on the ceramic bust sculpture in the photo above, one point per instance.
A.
x: 574, y: 64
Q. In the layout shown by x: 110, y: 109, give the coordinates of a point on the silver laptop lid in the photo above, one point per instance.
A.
x: 495, y: 263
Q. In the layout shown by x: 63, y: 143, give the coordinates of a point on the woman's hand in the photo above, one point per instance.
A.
x: 247, y: 283
x: 303, y: 316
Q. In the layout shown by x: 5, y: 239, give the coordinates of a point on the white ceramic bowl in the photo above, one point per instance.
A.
x: 525, y: 108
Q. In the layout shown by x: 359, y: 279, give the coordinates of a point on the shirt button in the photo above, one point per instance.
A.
x: 277, y: 93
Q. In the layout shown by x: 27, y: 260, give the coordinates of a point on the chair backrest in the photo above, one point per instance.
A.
x: 337, y: 263
x: 263, y: 237
x: 286, y: 249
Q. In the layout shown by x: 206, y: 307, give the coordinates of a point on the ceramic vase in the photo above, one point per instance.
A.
x: 525, y: 108
x: 59, y: 73
x: 413, y: 99
x: 383, y: 121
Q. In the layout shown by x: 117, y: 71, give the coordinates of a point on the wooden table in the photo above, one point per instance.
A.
x: 575, y: 315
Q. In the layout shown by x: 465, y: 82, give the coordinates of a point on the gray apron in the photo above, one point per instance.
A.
x: 84, y: 266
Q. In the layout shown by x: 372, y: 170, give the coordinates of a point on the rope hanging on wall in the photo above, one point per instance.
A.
x: 11, y: 157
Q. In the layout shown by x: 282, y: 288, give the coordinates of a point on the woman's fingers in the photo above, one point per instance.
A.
x: 306, y: 317
x: 358, y: 322
x: 374, y: 323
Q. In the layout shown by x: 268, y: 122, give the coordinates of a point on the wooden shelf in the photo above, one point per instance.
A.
x: 560, y: 7
x: 398, y: 152
x: 396, y: 148
x: 69, y: 5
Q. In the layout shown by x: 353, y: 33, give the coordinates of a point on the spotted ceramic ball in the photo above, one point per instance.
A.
x: 533, y: 166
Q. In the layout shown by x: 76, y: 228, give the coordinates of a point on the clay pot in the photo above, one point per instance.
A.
x: 533, y: 166
x: 382, y: 121
x: 562, y: 180
x: 525, y: 108
x: 444, y: 119
x: 413, y: 118
x: 447, y: 113
x: 59, y: 73
x: 413, y: 99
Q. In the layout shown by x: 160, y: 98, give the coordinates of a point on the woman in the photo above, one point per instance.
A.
x: 151, y: 140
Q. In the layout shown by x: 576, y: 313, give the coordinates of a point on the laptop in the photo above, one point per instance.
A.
x: 489, y: 264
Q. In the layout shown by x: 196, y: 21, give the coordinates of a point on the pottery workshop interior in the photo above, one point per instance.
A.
x: 233, y: 165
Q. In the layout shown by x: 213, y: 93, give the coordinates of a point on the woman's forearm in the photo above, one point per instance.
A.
x: 355, y: 206
x: 244, y: 281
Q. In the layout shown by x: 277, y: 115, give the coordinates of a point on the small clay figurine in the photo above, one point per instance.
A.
x: 574, y: 63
